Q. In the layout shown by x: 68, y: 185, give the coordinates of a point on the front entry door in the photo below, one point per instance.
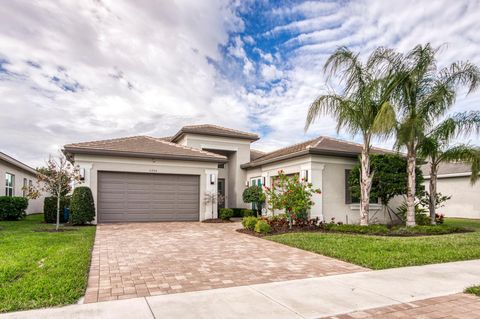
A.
x: 221, y: 193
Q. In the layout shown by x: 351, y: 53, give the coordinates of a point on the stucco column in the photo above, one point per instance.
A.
x: 315, y: 176
x: 210, y: 209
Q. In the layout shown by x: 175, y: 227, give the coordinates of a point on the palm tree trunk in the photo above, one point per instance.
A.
x: 433, y: 193
x: 411, y: 163
x: 365, y: 186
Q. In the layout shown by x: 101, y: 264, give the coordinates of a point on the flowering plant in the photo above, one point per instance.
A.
x: 292, y: 195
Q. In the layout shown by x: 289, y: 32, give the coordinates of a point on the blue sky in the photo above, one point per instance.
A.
x: 87, y: 70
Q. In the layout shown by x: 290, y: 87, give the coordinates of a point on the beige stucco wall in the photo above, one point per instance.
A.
x: 328, y: 174
x: 239, y: 153
x: 465, y: 201
x: 34, y: 205
x: 93, y: 164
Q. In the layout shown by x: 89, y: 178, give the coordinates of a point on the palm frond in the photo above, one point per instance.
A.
x: 346, y: 63
x: 467, y: 154
x: 461, y: 73
x: 463, y: 123
x: 331, y: 104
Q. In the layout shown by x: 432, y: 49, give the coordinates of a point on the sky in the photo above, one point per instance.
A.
x: 73, y: 71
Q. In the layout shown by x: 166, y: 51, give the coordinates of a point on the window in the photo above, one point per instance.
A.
x: 256, y: 181
x: 9, y: 184
x: 24, y: 188
x: 349, y: 198
x: 222, y: 165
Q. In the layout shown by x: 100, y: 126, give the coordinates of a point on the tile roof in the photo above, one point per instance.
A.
x: 254, y: 154
x: 322, y: 145
x: 214, y: 130
x: 142, y: 146
x: 17, y: 163
x: 448, y: 168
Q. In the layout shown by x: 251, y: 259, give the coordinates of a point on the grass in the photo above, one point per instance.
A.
x: 41, y: 269
x: 377, y: 252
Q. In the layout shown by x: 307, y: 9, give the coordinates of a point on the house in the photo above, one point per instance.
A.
x: 17, y: 176
x: 454, y: 180
x: 143, y: 178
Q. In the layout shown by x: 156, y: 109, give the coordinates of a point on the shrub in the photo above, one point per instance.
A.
x: 262, y: 227
x: 357, y: 229
x: 226, y: 213
x: 247, y: 213
x: 427, y: 230
x: 82, y: 208
x: 237, y: 212
x: 249, y: 222
x: 50, y: 209
x: 421, y: 214
x: 12, y: 208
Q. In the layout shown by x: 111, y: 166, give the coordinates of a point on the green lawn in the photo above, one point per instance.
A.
x: 377, y: 252
x: 40, y: 269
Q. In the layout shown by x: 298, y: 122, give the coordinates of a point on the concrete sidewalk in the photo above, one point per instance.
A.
x: 305, y: 298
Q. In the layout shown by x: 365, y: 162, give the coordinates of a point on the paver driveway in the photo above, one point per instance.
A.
x: 141, y: 259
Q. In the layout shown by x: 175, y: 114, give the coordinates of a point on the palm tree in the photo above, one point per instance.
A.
x: 355, y: 110
x: 422, y: 95
x: 436, y: 148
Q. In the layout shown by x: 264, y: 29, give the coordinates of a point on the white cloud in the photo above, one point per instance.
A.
x: 93, y: 70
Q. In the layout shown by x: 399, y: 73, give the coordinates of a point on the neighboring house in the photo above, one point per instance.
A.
x: 144, y: 178
x: 454, y: 180
x: 17, y: 175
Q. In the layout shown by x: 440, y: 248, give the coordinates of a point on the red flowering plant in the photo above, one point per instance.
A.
x: 292, y: 195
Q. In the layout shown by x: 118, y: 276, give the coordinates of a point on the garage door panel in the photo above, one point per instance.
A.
x: 147, y: 197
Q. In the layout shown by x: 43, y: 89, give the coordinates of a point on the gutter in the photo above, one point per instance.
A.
x: 466, y: 174
x: 73, y: 150
x: 17, y: 163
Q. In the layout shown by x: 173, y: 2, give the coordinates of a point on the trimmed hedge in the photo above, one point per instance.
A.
x: 82, y: 208
x: 382, y: 230
x: 226, y: 213
x: 50, y: 209
x: 13, y: 208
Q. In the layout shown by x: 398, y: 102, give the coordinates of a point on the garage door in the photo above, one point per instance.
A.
x: 124, y: 197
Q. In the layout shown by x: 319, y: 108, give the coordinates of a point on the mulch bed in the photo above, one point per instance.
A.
x: 216, y: 221
x: 322, y: 230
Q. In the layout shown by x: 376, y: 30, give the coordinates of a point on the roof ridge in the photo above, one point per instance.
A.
x: 184, y: 147
x: 283, y: 148
x: 356, y: 144
x: 107, y: 140
x: 220, y: 127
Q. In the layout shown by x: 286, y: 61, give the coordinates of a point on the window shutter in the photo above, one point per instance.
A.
x: 348, y: 193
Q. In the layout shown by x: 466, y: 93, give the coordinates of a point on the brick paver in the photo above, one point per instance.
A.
x: 447, y: 307
x: 144, y: 259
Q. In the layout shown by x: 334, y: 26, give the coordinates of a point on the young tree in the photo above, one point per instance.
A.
x: 254, y: 194
x: 55, y: 179
x: 421, y: 96
x: 292, y: 195
x: 436, y: 148
x: 356, y: 109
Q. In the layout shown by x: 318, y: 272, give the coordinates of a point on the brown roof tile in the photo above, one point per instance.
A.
x: 142, y: 146
x: 448, y: 168
x: 322, y: 145
x: 214, y: 130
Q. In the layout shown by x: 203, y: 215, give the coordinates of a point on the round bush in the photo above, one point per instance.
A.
x: 226, y: 213
x: 82, y: 207
x: 50, y: 209
x: 12, y: 208
x: 262, y: 227
x: 249, y: 222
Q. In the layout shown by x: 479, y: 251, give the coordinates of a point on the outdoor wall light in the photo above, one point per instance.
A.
x: 212, y: 179
x: 82, y: 174
x: 264, y: 180
x: 246, y: 184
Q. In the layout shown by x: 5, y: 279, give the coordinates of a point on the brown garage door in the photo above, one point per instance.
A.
x: 124, y: 197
